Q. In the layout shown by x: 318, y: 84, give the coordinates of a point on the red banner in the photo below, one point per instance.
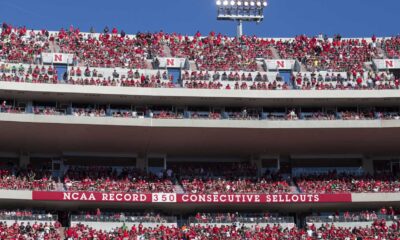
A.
x: 191, y: 198
x: 91, y: 196
x: 263, y: 198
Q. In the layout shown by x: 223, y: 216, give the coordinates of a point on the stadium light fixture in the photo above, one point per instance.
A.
x: 240, y: 11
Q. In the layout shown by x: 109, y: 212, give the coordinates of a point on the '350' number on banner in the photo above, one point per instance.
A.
x: 163, y: 197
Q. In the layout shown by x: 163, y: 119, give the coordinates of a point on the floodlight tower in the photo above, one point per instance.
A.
x: 240, y: 11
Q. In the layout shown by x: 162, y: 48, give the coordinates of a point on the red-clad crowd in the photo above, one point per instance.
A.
x: 391, y: 46
x: 238, y: 186
x: 101, y: 179
x: 378, y: 230
x: 238, y: 218
x: 18, y: 45
x: 36, y: 231
x: 352, y: 81
x: 26, y: 180
x: 110, y: 49
x: 211, y: 52
x: 388, y: 213
x: 216, y: 52
x: 195, y: 179
x: 31, y: 74
x: 343, y: 183
x: 337, y: 54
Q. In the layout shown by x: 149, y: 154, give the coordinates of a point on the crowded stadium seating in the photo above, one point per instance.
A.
x: 377, y: 230
x: 301, y: 193
x: 194, y: 181
x: 339, y: 183
x: 217, y: 61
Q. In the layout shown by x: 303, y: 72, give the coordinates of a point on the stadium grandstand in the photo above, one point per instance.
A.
x: 111, y: 135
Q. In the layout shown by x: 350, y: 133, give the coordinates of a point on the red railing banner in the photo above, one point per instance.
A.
x: 191, y: 198
x: 91, y: 197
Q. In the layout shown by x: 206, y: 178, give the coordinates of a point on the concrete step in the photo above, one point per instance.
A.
x: 62, y: 232
x: 193, y: 66
x: 381, y: 53
x: 178, y: 189
x: 60, y: 187
x: 368, y: 66
x: 54, y: 47
x: 275, y: 54
x: 260, y: 66
x: 167, y: 51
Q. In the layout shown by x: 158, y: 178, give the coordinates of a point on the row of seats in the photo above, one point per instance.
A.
x: 213, y: 52
x: 132, y: 180
x: 7, y: 106
x: 235, y: 226
x: 194, y: 79
x: 377, y: 230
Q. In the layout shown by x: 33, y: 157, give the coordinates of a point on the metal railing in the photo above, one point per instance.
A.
x: 355, y: 218
x: 241, y: 220
x: 33, y: 217
x: 123, y: 218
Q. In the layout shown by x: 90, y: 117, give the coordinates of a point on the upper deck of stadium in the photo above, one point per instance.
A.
x: 211, y: 61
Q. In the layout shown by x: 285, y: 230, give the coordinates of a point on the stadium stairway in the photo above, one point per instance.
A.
x: 60, y: 187
x: 178, y: 188
x: 275, y: 54
x: 368, y: 66
x: 193, y: 66
x: 167, y: 51
x: 381, y: 52
x: 62, y: 232
x: 260, y: 67
x: 303, y: 68
x: 149, y: 64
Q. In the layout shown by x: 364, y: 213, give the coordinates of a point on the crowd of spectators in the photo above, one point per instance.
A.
x: 242, y: 85
x: 18, y: 45
x: 216, y: 52
x: 237, y: 113
x: 340, y: 81
x: 224, y: 76
x: 386, y: 213
x: 136, y: 217
x: 24, y: 214
x: 107, y: 179
x: 28, y: 73
x: 235, y: 185
x: 110, y: 49
x: 222, y: 178
x: 26, y: 179
x: 7, y: 107
x: 35, y: 231
x: 238, y: 218
x: 333, y: 182
x: 211, y: 52
x: 379, y: 229
x: 321, y: 53
x: 128, y: 78
x: 391, y: 46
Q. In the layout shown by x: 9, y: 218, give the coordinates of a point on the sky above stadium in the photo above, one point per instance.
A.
x: 283, y: 18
